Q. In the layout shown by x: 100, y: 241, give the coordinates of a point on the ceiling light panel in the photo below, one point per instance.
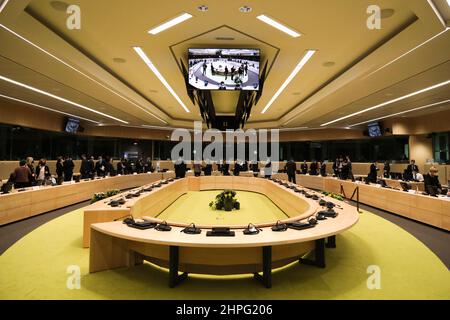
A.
x: 412, y: 94
x: 3, y: 5
x: 308, y: 55
x: 152, y: 67
x: 48, y: 94
x: 48, y: 109
x: 171, y: 23
x: 278, y: 25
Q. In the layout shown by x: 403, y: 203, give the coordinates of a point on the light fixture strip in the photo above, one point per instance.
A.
x: 389, y: 102
x: 3, y: 5
x: 20, y: 84
x: 152, y: 67
x: 80, y: 72
x: 278, y: 25
x: 408, y: 52
x: 171, y: 23
x: 297, y: 69
x: 437, y: 13
x: 48, y: 109
x: 402, y: 112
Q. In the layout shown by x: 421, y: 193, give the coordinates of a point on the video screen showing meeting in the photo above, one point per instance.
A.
x: 224, y: 69
x: 72, y: 125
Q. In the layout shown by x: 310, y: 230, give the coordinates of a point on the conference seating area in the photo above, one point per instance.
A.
x: 224, y: 159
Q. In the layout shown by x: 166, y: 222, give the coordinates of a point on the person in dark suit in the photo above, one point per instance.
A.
x: 68, y: 166
x: 208, y: 168
x: 313, y: 168
x: 387, y: 170
x: 304, y: 167
x: 237, y: 168
x: 109, y: 168
x: 268, y: 169
x: 431, y: 179
x: 291, y: 170
x: 225, y: 168
x: 373, y: 173
x: 84, y: 169
x: 148, y: 165
x: 411, y: 170
x: 30, y: 165
x: 323, y: 169
x: 60, y: 170
x: 100, y: 167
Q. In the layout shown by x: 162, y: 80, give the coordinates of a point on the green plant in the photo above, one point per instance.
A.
x: 225, y: 201
x: 103, y: 195
x: 334, y: 195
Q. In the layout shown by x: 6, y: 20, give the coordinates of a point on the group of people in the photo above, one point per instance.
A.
x: 342, y: 168
x: 314, y: 169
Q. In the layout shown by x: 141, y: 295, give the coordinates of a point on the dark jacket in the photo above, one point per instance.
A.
x: 22, y: 175
x: 47, y: 172
x: 59, y: 169
x: 431, y: 181
x: 304, y: 168
x: 291, y: 168
x: 68, y: 167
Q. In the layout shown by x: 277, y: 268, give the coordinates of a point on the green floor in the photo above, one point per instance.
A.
x: 193, y: 208
x: 36, y: 268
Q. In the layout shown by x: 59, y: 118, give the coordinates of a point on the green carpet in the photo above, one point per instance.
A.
x: 36, y: 268
x: 193, y: 207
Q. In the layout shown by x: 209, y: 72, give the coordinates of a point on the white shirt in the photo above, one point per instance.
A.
x: 42, y: 173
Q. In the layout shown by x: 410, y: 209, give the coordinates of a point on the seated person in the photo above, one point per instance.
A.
x: 432, y: 179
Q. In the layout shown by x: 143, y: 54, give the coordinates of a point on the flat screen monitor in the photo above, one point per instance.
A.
x: 224, y: 69
x: 72, y: 125
x: 374, y: 130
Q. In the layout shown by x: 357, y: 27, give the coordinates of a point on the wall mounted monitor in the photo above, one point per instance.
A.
x: 72, y: 125
x: 224, y: 69
x: 374, y: 130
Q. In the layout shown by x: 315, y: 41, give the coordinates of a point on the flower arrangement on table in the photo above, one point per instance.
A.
x: 103, y: 195
x: 225, y: 200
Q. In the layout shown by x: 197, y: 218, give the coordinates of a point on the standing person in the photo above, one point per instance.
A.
x: 304, y: 167
x: 139, y: 165
x: 373, y: 173
x: 233, y: 70
x: 237, y: 168
x: 100, y: 167
x: 291, y: 170
x: 208, y: 167
x: 121, y: 167
x: 60, y: 170
x: 148, y: 165
x: 30, y: 165
x: 84, y: 169
x: 349, y: 168
x: 225, y: 168
x: 91, y: 168
x: 268, y: 169
x: 313, y: 168
x: 387, y: 170
x: 109, y: 168
x: 197, y: 169
x: 42, y: 172
x: 226, y: 72
x: 323, y: 169
x: 22, y: 176
x: 204, y: 68
x: 68, y: 166
x: 412, y: 170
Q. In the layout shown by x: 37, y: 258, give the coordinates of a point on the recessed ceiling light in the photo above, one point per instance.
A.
x: 387, y: 13
x: 403, y: 112
x: 296, y: 93
x: 59, y: 5
x: 202, y: 8
x: 17, y: 83
x: 389, y: 102
x: 169, y: 24
x: 153, y: 91
x: 80, y: 72
x: 278, y: 26
x: 245, y: 9
x: 119, y: 60
x: 225, y: 38
x: 48, y: 109
x: 329, y: 64
x: 3, y: 5
x: 297, y: 69
x: 152, y: 67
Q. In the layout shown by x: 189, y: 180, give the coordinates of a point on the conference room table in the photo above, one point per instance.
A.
x: 414, y: 205
x: 37, y: 200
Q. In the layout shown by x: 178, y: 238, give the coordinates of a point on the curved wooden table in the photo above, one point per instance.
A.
x: 114, y: 245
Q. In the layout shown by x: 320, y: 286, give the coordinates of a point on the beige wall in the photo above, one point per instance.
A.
x: 420, y: 149
x: 436, y: 122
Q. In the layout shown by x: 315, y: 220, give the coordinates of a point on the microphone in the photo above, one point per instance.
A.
x: 126, y: 216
